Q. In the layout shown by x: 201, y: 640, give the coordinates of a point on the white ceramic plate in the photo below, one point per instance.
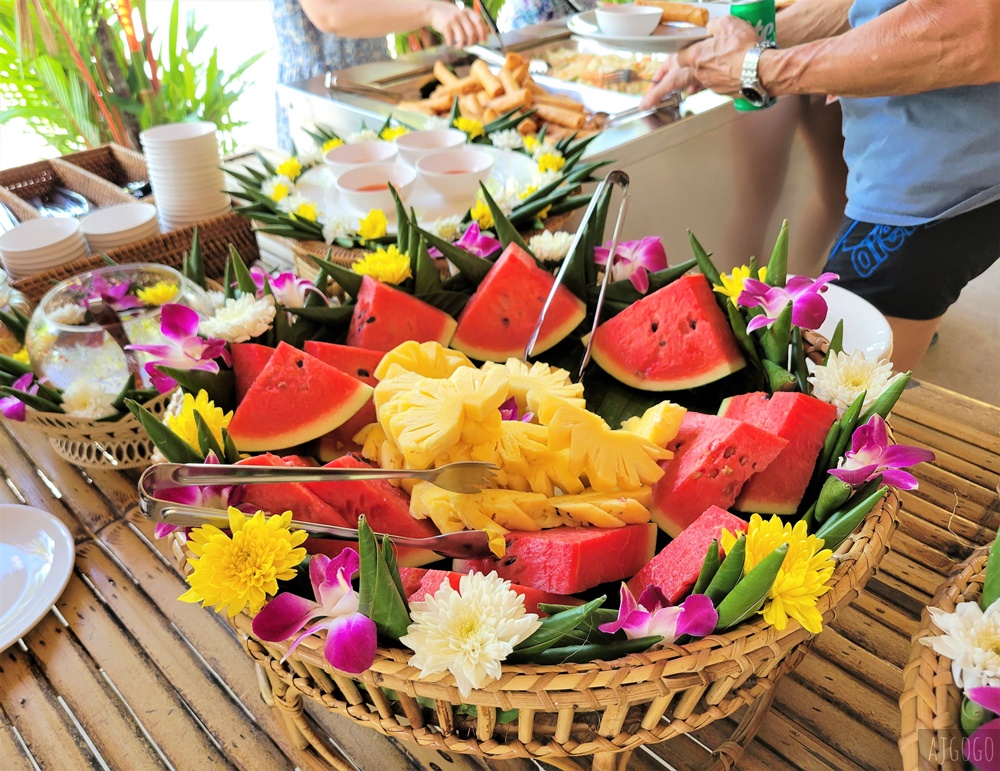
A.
x: 318, y: 185
x: 36, y: 559
x: 666, y: 38
x: 865, y: 328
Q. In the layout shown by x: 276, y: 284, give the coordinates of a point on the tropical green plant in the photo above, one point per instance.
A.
x: 85, y: 72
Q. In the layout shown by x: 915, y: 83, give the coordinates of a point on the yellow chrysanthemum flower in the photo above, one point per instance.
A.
x: 307, y: 210
x: 183, y: 424
x: 373, y: 225
x: 277, y: 191
x: 531, y: 143
x: 470, y: 126
x: 290, y: 167
x: 329, y: 144
x: 392, y: 133
x: 389, y: 265
x: 802, y: 578
x: 159, y: 293
x: 481, y: 213
x: 240, y: 571
x: 732, y: 284
x: 550, y: 162
x: 21, y: 356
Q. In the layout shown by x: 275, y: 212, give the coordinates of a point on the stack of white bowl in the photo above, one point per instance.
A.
x: 115, y: 226
x: 39, y: 245
x: 184, y: 169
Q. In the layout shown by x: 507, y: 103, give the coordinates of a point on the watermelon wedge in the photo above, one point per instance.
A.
x: 295, y: 399
x: 418, y: 583
x: 357, y: 362
x: 672, y: 339
x: 713, y: 458
x: 801, y: 419
x: 249, y: 360
x: 384, y: 317
x: 675, y: 569
x: 498, y: 320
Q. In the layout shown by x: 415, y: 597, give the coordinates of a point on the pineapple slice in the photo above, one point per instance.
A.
x: 424, y: 421
x: 396, y: 381
x: 528, y: 383
x: 600, y: 509
x: 659, y: 424
x: 430, y: 359
x: 523, y: 452
x: 491, y: 510
x: 482, y: 391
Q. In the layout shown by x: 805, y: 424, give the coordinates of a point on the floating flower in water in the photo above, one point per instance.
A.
x: 13, y: 408
x: 277, y: 188
x: 184, y: 424
x: 482, y: 215
x: 469, y: 632
x: 392, y: 133
x: 159, y: 293
x: 732, y: 283
x: 67, y: 315
x: 551, y: 247
x: 240, y: 319
x: 331, y: 143
x: 470, y: 126
x: 970, y: 637
x: 809, y: 308
x: 634, y: 260
x: 115, y: 295
x: 237, y: 571
x: 184, y: 349
x: 207, y: 496
x: 979, y: 749
x: 802, y: 578
x: 654, y: 615
x: 550, y: 161
x: 388, y: 265
x: 290, y: 168
x: 846, y: 376
x: 351, y: 638
x: 89, y: 398
x: 872, y: 454
x: 373, y: 225
x: 508, y: 139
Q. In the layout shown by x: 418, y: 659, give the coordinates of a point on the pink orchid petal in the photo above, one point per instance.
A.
x: 626, y: 606
x: 904, y: 480
x: 854, y: 477
x: 653, y: 598
x: 980, y: 749
x: 178, y: 322
x: 259, y: 279
x: 601, y: 255
x: 900, y: 455
x: 13, y: 408
x: 662, y: 622
x: 699, y: 617
x: 162, y: 529
x: 508, y: 410
x: 640, y: 279
x: 809, y: 310
x: 351, y: 643
x: 987, y: 696
x: 317, y: 571
x: 757, y: 321
x: 305, y: 635
x: 283, y: 616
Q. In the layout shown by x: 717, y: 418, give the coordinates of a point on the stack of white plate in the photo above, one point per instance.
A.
x: 184, y: 169
x: 115, y: 226
x: 39, y: 245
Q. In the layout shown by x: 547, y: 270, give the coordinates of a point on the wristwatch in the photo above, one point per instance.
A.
x: 751, y: 88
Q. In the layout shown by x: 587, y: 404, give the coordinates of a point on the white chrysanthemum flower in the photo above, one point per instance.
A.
x: 551, y: 247
x: 174, y: 406
x: 89, y: 398
x: 546, y: 148
x: 240, y: 319
x: 337, y: 227
x: 218, y: 298
x: 277, y: 188
x: 447, y: 228
x: 365, y: 135
x: 971, y: 640
x: 846, y: 376
x: 542, y: 178
x: 69, y: 315
x: 508, y: 139
x: 437, y: 122
x: 310, y: 158
x: 469, y: 632
x: 292, y: 202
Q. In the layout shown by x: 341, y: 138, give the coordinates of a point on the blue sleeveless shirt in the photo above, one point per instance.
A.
x: 920, y: 158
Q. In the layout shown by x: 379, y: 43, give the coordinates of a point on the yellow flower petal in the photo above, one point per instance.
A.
x: 387, y: 265
x: 159, y: 293
x: 329, y: 144
x: 470, y: 126
x: 481, y: 214
x: 184, y: 425
x: 373, y: 225
x: 290, y: 168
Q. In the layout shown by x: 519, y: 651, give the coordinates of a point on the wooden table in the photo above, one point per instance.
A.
x: 120, y: 674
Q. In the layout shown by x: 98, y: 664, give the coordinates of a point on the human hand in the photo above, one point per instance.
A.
x: 458, y: 26
x: 717, y: 62
x: 670, y: 76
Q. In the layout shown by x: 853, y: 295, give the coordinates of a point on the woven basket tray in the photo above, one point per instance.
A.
x: 601, y: 709
x: 931, y: 735
x: 114, y: 163
x: 38, y: 179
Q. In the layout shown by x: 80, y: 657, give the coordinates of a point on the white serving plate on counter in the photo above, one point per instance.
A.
x: 666, y: 38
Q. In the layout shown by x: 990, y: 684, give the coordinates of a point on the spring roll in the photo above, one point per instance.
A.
x: 461, y: 86
x: 558, y: 101
x: 469, y: 106
x: 514, y: 61
x: 527, y: 126
x: 508, y: 81
x: 490, y: 115
x: 507, y: 102
x: 560, y: 116
x: 445, y: 76
x: 490, y: 83
x: 686, y: 12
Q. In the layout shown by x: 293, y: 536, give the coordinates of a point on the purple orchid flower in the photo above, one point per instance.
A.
x: 13, y: 408
x: 288, y: 289
x: 809, y: 307
x: 872, y: 454
x: 508, y: 411
x: 184, y: 349
x: 634, y: 260
x: 654, y: 615
x: 116, y: 296
x: 474, y: 242
x: 351, y: 636
x: 978, y: 749
x: 208, y: 496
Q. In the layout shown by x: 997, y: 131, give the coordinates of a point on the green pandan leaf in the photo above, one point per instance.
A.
x: 126, y: 393
x: 174, y: 449
x: 34, y: 401
x: 389, y: 554
x: 777, y: 266
x: 991, y: 584
x: 402, y: 222
x: 326, y: 314
x: 747, y: 597
x: 193, y: 268
x: 241, y: 273
x: 426, y: 279
x: 232, y: 454
x: 380, y: 597
x: 206, y: 439
x: 469, y: 265
x: 349, y: 281
x: 14, y: 324
x: 506, y: 232
x: 704, y: 260
x: 775, y: 338
x: 451, y: 303
x: 219, y: 386
x: 554, y: 629
x: 836, y: 342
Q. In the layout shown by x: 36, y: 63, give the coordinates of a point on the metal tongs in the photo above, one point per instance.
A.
x: 463, y: 477
x: 615, y: 177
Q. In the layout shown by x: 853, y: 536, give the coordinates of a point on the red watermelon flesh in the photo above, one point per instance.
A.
x: 295, y: 399
x: 418, y: 583
x: 568, y: 560
x: 249, y: 360
x: 498, y: 320
x: 357, y: 362
x: 675, y: 569
x: 384, y: 317
x: 713, y: 458
x: 801, y: 419
x: 672, y: 339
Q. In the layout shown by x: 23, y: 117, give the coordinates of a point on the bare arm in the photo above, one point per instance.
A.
x: 375, y: 18
x: 809, y: 20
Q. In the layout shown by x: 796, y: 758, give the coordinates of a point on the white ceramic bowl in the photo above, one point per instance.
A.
x: 628, y: 20
x: 344, y: 158
x: 176, y: 133
x: 38, y: 235
x: 456, y: 174
x: 118, y: 219
x: 418, y: 144
x: 367, y: 188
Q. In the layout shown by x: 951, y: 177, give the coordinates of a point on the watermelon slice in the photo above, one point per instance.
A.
x: 801, y: 419
x: 384, y: 317
x: 249, y: 360
x: 567, y: 560
x: 295, y: 399
x: 498, y: 320
x: 418, y: 583
x: 672, y: 339
x: 713, y: 458
x: 675, y: 569
x: 360, y: 363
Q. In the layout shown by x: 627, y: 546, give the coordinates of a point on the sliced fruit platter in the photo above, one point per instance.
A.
x: 663, y: 534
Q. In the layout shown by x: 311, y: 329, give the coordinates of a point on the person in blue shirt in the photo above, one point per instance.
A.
x: 919, y: 82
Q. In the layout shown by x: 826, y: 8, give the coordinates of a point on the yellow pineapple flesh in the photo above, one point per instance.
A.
x: 659, y: 424
x: 528, y: 383
x: 430, y: 359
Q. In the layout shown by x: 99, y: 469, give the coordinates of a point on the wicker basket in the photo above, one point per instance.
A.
x: 931, y: 735
x: 122, y: 444
x: 39, y: 179
x: 603, y: 709
x: 118, y: 165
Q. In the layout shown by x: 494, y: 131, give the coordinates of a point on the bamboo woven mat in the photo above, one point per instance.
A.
x: 122, y: 675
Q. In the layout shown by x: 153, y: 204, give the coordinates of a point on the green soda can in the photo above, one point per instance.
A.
x: 760, y: 15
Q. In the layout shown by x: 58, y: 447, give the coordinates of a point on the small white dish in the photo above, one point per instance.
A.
x: 456, y: 173
x: 628, y: 20
x: 344, y: 158
x: 112, y: 220
x: 36, y: 560
x: 367, y: 187
x: 418, y: 144
x: 39, y: 235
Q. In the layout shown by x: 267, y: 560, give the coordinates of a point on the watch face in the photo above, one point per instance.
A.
x: 753, y: 96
